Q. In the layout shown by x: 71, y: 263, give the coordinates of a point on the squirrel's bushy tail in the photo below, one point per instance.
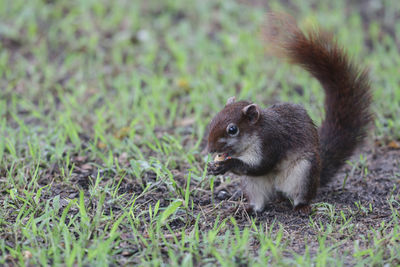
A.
x: 347, y: 88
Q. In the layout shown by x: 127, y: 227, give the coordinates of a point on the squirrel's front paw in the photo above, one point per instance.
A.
x: 220, y: 167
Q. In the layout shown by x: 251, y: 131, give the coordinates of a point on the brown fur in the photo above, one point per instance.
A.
x: 281, y: 143
x: 347, y: 88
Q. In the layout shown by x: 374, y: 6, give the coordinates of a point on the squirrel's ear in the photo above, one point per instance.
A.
x: 230, y: 100
x: 252, y: 112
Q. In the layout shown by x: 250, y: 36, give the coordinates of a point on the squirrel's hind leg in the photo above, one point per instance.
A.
x: 298, y: 181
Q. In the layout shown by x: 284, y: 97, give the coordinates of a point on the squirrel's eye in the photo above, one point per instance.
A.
x: 232, y: 129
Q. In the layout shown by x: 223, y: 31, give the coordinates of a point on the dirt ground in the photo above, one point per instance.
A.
x: 370, y: 190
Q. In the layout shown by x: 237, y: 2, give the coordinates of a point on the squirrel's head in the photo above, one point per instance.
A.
x: 232, y: 130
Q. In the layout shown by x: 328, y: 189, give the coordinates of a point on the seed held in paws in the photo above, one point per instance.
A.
x: 219, y: 157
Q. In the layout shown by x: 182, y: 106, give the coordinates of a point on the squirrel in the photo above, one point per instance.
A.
x: 279, y: 150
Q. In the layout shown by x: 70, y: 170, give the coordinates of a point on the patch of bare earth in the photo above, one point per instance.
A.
x: 362, y: 199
